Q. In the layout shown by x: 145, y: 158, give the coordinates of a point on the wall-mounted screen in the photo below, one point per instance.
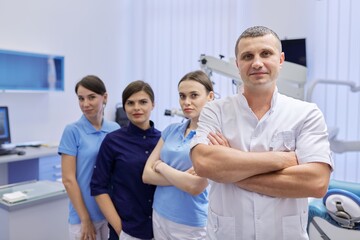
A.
x: 295, y: 50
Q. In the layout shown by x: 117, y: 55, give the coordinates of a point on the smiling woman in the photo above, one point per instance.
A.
x: 78, y: 148
x: 92, y: 102
x: 117, y: 182
x: 138, y: 108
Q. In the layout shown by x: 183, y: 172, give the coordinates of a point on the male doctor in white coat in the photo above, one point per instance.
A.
x: 265, y: 153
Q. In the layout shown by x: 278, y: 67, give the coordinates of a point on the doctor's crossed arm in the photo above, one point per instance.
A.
x: 295, y: 181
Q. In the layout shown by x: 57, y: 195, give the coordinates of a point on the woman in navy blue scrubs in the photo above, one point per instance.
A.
x: 117, y: 182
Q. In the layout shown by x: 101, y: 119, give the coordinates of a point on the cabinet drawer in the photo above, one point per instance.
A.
x: 50, y: 168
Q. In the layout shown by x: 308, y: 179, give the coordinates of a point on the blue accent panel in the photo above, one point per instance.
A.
x: 29, y: 71
x: 21, y: 171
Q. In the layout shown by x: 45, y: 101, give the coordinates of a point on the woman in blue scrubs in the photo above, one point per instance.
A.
x: 78, y: 147
x: 180, y: 200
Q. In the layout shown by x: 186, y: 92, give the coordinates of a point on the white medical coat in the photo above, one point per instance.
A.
x: 289, y: 125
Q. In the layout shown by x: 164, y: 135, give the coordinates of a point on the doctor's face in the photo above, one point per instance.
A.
x: 259, y: 61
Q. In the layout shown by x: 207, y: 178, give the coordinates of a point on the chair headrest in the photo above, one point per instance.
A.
x: 343, y: 206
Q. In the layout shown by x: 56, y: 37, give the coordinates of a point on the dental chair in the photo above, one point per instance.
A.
x: 337, y: 215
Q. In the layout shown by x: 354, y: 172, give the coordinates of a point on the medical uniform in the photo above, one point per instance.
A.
x: 289, y: 125
x: 82, y: 140
x: 169, y: 201
x: 118, y: 172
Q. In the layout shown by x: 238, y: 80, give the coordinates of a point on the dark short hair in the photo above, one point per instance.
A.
x: 137, y: 86
x: 93, y: 83
x: 200, y: 77
x: 256, y: 31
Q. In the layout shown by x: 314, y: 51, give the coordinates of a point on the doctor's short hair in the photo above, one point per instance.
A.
x: 134, y: 87
x: 200, y: 77
x: 92, y: 83
x: 256, y: 31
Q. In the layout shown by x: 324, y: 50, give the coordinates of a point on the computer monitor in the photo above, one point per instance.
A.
x: 4, y: 126
x: 295, y: 50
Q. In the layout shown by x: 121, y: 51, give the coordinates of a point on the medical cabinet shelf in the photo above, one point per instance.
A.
x: 24, y: 71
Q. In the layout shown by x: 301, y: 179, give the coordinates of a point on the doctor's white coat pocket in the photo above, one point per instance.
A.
x: 283, y: 141
x: 220, y: 227
x: 293, y: 228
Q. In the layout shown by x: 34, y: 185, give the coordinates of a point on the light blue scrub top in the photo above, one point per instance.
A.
x: 82, y: 140
x: 169, y: 201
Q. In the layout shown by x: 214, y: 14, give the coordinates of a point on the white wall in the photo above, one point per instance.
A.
x: 87, y: 33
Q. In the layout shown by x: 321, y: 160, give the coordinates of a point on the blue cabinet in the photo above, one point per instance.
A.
x: 42, y: 168
x: 43, y: 163
x: 22, y: 71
